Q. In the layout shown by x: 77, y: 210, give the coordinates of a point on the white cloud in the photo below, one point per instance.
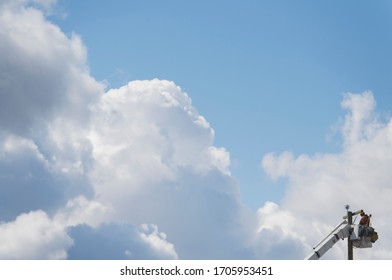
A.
x: 320, y: 185
x: 275, y: 166
x: 45, y: 154
x: 157, y: 241
x: 80, y: 210
x: 359, y: 122
x: 102, y: 163
x: 150, y: 128
x: 45, y: 92
x: 43, y: 73
x: 154, y: 162
x: 33, y: 236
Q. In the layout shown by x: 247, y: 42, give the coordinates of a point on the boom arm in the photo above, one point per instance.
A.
x: 340, y: 232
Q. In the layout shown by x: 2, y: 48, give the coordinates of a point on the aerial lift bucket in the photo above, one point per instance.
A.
x: 368, y: 237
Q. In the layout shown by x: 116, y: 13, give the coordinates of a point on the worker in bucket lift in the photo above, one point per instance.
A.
x: 363, y: 224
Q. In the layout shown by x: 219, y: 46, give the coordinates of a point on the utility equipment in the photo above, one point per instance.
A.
x: 361, y: 235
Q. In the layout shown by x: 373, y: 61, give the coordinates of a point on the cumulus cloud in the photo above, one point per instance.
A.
x: 45, y: 92
x: 359, y: 175
x: 42, y: 72
x: 33, y: 235
x: 136, y: 163
x: 45, y: 151
x: 154, y: 162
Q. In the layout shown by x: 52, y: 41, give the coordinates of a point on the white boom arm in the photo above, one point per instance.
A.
x: 340, y: 232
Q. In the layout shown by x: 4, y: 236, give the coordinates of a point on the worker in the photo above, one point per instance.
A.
x: 363, y: 224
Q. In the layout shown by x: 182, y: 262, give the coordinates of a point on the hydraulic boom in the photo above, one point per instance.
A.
x: 340, y: 232
x: 359, y: 236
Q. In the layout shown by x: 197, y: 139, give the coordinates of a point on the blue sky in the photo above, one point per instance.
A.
x: 267, y: 75
x: 192, y: 129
